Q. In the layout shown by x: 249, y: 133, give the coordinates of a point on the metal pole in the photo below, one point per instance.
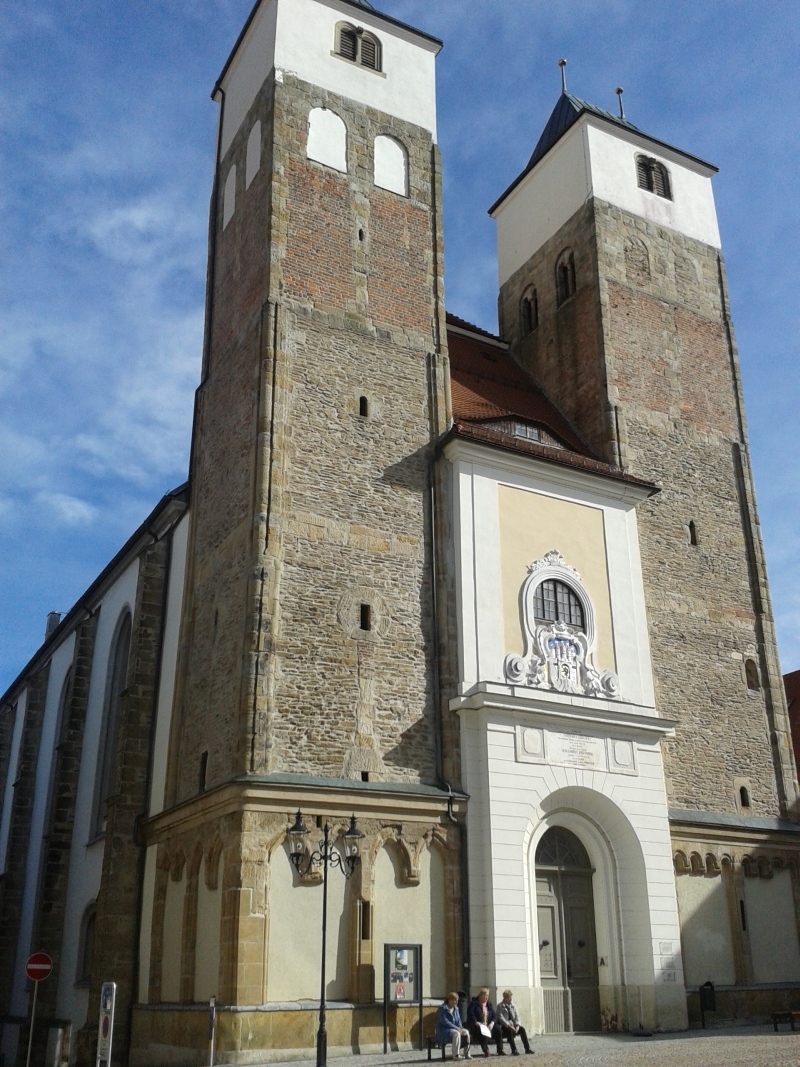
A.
x: 212, y: 1025
x: 33, y: 1015
x: 322, y: 1033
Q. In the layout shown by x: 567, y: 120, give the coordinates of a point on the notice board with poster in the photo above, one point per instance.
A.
x: 402, y: 983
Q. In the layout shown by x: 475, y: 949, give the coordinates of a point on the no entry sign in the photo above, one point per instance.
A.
x: 39, y: 967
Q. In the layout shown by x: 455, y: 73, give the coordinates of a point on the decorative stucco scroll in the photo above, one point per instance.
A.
x: 558, y: 656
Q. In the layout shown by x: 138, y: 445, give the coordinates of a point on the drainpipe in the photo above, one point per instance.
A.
x: 437, y: 709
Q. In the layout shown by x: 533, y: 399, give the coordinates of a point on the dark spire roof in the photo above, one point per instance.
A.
x: 361, y: 3
x: 564, y: 115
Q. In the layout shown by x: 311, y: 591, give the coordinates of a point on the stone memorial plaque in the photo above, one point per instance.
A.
x: 577, y: 750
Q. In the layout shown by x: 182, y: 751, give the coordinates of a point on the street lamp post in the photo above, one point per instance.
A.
x: 328, y: 856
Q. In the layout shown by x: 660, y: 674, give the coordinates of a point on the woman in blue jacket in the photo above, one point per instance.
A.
x: 449, y: 1028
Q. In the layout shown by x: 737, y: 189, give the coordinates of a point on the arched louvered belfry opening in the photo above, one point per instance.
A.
x: 653, y: 176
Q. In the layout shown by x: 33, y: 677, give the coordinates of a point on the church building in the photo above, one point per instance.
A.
x: 501, y: 599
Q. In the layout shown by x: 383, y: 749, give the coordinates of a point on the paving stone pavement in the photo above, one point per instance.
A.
x: 741, y: 1046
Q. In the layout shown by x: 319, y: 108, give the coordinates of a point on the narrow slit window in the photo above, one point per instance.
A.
x: 366, y: 617
x: 744, y: 796
x: 363, y: 407
x: 365, y: 776
x: 203, y: 771
x: 693, y: 533
x: 742, y: 913
x: 366, y: 920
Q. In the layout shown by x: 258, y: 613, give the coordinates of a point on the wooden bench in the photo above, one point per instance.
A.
x: 431, y: 1043
x: 790, y: 1017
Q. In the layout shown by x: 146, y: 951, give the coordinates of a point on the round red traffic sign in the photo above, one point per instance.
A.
x: 39, y: 967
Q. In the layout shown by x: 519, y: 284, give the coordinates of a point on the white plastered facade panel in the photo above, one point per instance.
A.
x: 534, y: 758
x: 595, y: 159
x: 298, y: 37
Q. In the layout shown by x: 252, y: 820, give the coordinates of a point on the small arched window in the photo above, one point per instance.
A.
x: 565, y: 276
x: 117, y: 683
x: 529, y: 311
x: 744, y: 796
x: 554, y: 601
x: 358, y: 46
x: 653, y: 176
x: 751, y: 674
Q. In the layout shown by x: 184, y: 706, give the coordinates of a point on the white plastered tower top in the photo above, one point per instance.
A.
x: 595, y: 156
x: 298, y: 37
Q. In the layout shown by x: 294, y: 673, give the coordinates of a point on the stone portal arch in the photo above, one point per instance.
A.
x: 622, y: 907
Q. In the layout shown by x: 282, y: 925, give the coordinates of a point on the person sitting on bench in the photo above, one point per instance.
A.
x: 449, y: 1028
x: 508, y: 1021
x: 481, y: 1022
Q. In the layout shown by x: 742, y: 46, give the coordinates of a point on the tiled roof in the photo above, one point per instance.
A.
x: 486, y: 383
x: 564, y: 115
x: 462, y: 324
x: 485, y: 434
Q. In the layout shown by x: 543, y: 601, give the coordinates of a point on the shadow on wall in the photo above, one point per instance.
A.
x: 705, y: 930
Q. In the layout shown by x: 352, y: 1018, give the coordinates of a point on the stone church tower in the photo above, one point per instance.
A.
x: 633, y: 338
x: 306, y: 675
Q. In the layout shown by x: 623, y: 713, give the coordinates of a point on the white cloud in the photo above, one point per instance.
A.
x: 68, y: 509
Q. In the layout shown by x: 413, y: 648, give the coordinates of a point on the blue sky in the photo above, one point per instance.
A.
x: 107, y: 141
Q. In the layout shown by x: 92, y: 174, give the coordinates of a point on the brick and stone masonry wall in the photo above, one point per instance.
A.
x: 302, y: 508
x: 116, y: 944
x: 662, y: 371
x: 12, y: 886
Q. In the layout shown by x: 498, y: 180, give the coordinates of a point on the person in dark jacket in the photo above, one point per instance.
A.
x: 509, y: 1024
x: 449, y: 1029
x: 482, y: 1024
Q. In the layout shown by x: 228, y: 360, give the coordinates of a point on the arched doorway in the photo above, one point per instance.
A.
x: 567, y: 942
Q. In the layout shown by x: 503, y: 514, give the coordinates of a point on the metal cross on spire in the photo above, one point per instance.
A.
x: 563, y: 63
x: 619, y: 91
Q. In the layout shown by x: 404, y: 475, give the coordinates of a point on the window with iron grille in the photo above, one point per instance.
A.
x: 554, y: 601
x: 653, y: 176
x: 360, y: 47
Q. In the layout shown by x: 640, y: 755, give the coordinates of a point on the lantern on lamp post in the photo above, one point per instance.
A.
x: 327, y: 855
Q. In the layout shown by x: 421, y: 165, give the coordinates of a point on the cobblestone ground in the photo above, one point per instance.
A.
x: 743, y: 1046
